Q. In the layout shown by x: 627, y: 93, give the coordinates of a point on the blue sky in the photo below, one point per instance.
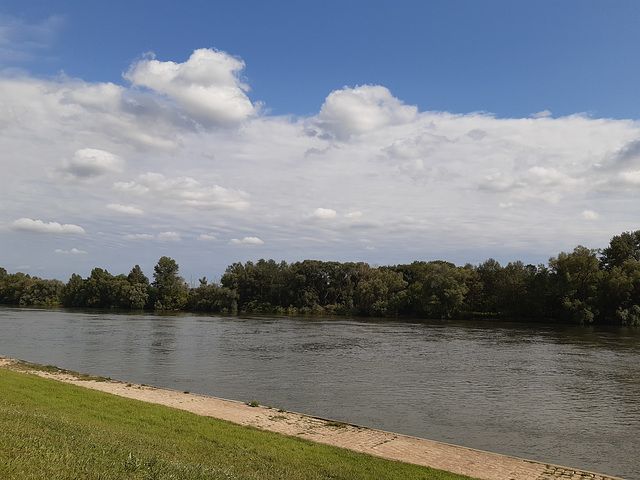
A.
x: 385, y: 132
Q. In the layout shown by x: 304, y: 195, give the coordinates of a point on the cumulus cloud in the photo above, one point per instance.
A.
x: 418, y: 185
x: 184, y: 191
x: 139, y: 236
x: 324, y: 213
x: 125, y: 209
x: 542, y: 114
x: 38, y: 226
x: 73, y: 251
x: 169, y: 237
x: 91, y: 162
x: 590, y: 215
x: 246, y: 241
x: 207, y: 86
x: 353, y: 111
x: 205, y: 237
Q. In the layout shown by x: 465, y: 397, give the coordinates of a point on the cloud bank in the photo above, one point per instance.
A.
x: 181, y: 162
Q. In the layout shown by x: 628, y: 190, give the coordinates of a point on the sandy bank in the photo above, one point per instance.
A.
x: 462, y: 460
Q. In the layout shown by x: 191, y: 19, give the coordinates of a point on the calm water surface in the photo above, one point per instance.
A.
x: 563, y: 395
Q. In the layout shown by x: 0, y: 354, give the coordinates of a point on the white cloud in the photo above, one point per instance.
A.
x: 246, y: 241
x: 205, y: 237
x: 630, y: 178
x: 92, y: 162
x: 73, y: 251
x: 38, y: 226
x: 590, y: 215
x: 417, y: 185
x: 185, y: 191
x: 139, y: 236
x: 353, y: 111
x: 324, y: 213
x: 125, y: 209
x: 542, y: 114
x: 169, y: 237
x: 207, y: 86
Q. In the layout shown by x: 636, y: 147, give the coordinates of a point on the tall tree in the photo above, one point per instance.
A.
x: 578, y: 277
x: 623, y: 247
x: 170, y: 289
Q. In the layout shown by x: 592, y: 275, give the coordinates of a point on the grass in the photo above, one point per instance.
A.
x: 55, y: 430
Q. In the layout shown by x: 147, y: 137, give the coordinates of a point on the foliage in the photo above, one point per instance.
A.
x: 55, y: 430
x: 584, y: 286
x: 169, y: 289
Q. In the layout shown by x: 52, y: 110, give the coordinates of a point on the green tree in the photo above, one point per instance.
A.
x: 436, y: 289
x: 13, y: 286
x: 490, y: 273
x: 620, y: 294
x: 623, y: 247
x: 379, y: 292
x: 169, y: 289
x: 42, y: 293
x: 74, y: 292
x: 137, y: 292
x: 212, y: 298
x: 577, y: 277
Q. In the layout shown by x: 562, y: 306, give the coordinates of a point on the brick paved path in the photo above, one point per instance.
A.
x: 452, y: 458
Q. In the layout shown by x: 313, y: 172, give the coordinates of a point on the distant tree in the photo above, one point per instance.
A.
x: 623, y: 247
x: 491, y: 274
x: 136, y: 276
x: 42, y: 293
x: 379, y: 292
x: 13, y: 286
x: 577, y: 277
x: 620, y: 294
x: 209, y: 297
x: 74, y: 292
x: 169, y: 289
x: 436, y: 289
x: 137, y: 290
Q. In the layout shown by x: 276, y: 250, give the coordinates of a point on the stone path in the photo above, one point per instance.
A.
x: 392, y: 446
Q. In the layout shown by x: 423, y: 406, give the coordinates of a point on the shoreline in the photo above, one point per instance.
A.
x: 380, y: 443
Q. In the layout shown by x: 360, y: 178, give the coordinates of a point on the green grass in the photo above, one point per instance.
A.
x: 52, y: 430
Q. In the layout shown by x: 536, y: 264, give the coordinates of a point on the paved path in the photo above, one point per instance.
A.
x: 393, y: 446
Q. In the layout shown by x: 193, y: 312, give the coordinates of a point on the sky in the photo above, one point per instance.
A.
x: 376, y: 131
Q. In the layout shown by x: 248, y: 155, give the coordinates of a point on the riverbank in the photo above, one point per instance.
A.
x: 452, y: 458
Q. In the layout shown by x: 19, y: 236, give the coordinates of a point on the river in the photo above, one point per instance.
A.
x: 566, y: 395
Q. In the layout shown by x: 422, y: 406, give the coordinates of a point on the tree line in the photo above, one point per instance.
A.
x: 585, y: 286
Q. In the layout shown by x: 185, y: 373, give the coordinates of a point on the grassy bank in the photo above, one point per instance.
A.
x: 55, y: 430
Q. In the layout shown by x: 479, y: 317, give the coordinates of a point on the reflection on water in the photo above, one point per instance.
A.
x: 563, y: 395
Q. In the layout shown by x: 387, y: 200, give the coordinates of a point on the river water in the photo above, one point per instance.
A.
x: 559, y: 394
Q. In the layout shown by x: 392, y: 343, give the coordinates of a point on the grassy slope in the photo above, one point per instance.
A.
x: 52, y: 430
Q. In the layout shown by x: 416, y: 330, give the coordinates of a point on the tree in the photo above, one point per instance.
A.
x: 623, y: 247
x: 42, y: 293
x: 436, y: 289
x: 74, y: 292
x: 209, y: 297
x: 137, y: 277
x: 490, y: 273
x: 379, y: 292
x: 577, y: 278
x: 620, y: 294
x: 170, y: 290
